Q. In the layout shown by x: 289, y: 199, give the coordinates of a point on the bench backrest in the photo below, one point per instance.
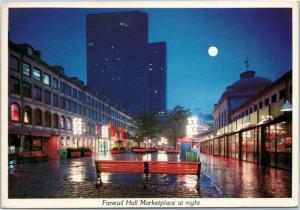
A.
x: 36, y: 153
x: 25, y: 154
x: 164, y: 167
x: 159, y: 167
x: 119, y: 166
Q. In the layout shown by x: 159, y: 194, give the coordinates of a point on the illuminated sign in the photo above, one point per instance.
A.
x: 77, y: 126
x: 104, y: 132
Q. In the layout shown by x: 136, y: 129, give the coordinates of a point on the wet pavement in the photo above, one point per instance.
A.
x: 75, y: 178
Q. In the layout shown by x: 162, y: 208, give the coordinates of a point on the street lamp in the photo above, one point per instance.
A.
x: 286, y: 107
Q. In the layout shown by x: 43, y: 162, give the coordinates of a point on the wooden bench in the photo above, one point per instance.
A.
x: 22, y: 156
x: 146, y: 167
x: 39, y: 155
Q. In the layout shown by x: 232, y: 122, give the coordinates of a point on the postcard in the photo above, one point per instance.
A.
x: 149, y: 104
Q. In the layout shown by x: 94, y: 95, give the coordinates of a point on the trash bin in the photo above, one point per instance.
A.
x: 62, y: 154
x: 191, y: 156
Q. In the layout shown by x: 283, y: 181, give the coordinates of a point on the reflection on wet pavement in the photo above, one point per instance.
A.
x: 75, y: 178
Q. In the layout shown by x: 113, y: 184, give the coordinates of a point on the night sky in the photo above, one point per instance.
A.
x: 195, y: 80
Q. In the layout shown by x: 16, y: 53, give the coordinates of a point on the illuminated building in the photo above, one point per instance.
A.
x: 122, y: 65
x: 47, y: 106
x: 236, y: 94
x: 259, y: 129
x: 117, y: 46
x: 157, y: 77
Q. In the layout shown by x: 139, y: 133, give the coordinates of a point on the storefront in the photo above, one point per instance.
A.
x: 278, y: 145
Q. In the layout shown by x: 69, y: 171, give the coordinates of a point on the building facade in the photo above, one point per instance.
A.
x: 259, y: 130
x: 117, y: 46
x: 50, y: 111
x: 157, y: 77
x: 236, y: 94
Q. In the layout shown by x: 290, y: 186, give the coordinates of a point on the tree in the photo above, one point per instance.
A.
x: 175, y: 126
x: 147, y: 126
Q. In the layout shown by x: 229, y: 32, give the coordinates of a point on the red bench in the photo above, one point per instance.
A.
x: 39, y: 155
x: 146, y: 167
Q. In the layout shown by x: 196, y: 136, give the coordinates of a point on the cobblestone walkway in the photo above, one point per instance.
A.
x: 75, y: 178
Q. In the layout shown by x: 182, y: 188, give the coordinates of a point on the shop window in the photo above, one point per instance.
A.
x: 27, y: 115
x: 55, y: 121
x: 26, y: 69
x: 37, y: 144
x: 37, y: 93
x: 26, y: 89
x: 37, y: 117
x: 69, y: 125
x: 62, y: 122
x: 47, y: 97
x: 36, y: 74
x: 54, y: 83
x: 13, y: 63
x: 48, y: 120
x: 14, y: 85
x: 274, y: 98
x: 15, y: 112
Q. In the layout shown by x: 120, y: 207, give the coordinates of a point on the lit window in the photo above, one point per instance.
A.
x: 27, y: 115
x: 62, y: 122
x: 150, y: 69
x: 112, y: 47
x: 26, y: 69
x: 15, y: 112
x: 155, y: 91
x: 36, y: 74
x: 46, y: 79
x: 150, y: 64
x: 69, y: 125
x: 54, y: 83
x: 118, y: 58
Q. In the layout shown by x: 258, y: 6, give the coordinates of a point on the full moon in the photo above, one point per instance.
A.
x: 213, y: 51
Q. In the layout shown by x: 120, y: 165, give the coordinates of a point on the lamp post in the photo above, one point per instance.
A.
x: 286, y: 107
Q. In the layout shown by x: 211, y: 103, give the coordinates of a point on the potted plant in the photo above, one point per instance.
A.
x: 73, y: 153
x: 86, y: 152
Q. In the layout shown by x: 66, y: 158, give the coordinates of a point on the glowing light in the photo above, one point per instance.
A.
x: 286, y: 107
x: 104, y: 132
x: 77, y: 126
x: 192, y: 127
x: 213, y: 51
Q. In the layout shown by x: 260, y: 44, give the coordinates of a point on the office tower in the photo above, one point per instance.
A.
x: 157, y: 74
x: 117, y: 55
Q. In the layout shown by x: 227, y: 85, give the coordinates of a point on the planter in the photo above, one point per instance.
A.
x: 148, y: 150
x: 117, y: 151
x: 172, y: 151
x: 87, y: 154
x: 75, y: 154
